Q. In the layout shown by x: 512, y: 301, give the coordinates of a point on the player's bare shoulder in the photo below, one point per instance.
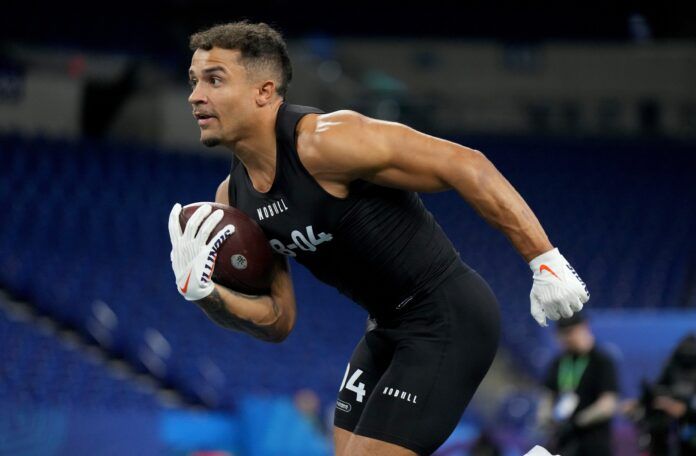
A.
x: 333, y: 146
x: 317, y: 132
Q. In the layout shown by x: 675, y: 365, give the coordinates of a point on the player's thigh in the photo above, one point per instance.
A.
x: 474, y: 339
x: 368, y: 363
x: 436, y: 368
x: 405, y: 409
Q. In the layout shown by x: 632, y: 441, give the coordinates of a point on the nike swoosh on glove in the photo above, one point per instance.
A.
x: 557, y: 291
x: 193, y: 259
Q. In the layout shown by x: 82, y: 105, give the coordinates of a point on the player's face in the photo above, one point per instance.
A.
x: 222, y: 96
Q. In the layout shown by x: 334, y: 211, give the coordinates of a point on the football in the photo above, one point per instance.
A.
x: 244, y: 261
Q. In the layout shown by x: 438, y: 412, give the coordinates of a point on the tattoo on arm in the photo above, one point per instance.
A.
x: 214, y: 307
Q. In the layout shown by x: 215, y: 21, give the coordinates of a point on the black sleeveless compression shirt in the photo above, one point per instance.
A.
x: 379, y: 246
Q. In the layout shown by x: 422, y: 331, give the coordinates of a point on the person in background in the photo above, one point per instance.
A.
x: 308, y: 404
x: 581, y: 395
x: 666, y: 412
x: 485, y: 445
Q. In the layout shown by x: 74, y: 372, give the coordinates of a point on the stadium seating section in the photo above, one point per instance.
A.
x: 84, y: 229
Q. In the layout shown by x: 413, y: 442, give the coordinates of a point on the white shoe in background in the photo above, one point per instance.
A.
x: 538, y: 451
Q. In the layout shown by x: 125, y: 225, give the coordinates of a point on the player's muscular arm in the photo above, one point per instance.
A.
x: 270, y: 317
x: 343, y: 146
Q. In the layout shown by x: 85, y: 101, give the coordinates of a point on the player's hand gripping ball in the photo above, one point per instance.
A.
x: 557, y: 291
x: 236, y: 254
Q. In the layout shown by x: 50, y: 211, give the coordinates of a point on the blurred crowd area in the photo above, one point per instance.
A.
x: 609, y: 69
x: 590, y: 111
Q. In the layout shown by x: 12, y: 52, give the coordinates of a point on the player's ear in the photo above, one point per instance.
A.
x: 265, y: 92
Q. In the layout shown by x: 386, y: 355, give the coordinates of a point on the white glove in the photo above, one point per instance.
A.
x: 193, y: 260
x: 557, y: 291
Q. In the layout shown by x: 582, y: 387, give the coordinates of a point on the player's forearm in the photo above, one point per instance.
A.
x: 496, y: 200
x: 601, y: 410
x: 259, y: 316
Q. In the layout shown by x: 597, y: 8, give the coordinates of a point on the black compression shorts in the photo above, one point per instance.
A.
x: 411, y: 377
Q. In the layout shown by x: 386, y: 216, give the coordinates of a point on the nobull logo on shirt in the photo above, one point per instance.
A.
x: 270, y: 210
x: 399, y: 394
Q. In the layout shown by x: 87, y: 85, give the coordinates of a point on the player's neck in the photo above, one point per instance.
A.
x: 257, y: 150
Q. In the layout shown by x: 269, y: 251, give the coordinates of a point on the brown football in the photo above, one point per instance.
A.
x: 244, y: 261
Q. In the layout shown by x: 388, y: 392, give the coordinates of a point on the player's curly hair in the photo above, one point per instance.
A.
x: 260, y: 45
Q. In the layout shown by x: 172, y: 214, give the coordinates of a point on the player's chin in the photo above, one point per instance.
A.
x: 209, y: 140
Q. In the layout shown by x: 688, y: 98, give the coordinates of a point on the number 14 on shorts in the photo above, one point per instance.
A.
x: 358, y: 389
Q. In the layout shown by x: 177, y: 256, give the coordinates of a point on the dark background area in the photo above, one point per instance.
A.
x: 163, y: 26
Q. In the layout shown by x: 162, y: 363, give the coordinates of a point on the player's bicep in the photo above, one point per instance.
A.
x: 282, y: 291
x: 353, y: 147
x: 424, y: 163
x: 281, y: 285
